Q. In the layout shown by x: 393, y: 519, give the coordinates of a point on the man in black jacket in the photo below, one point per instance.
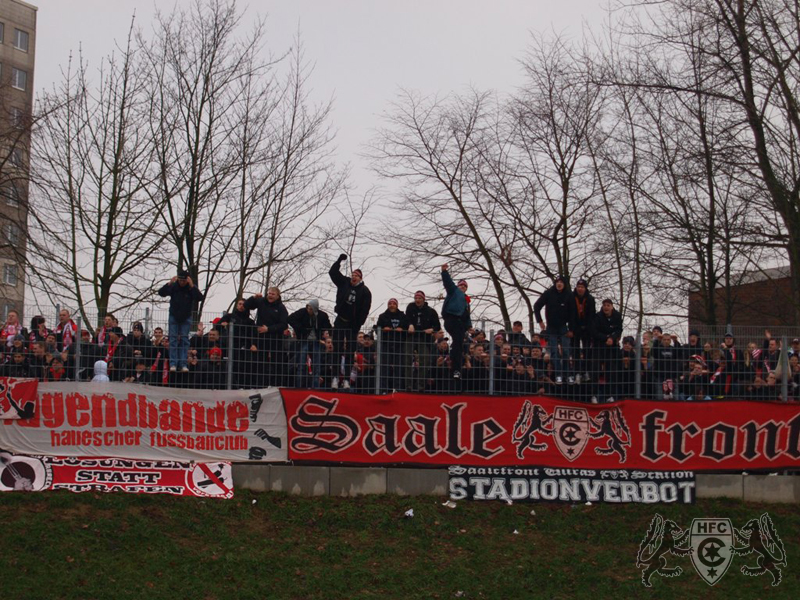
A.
x: 606, y: 333
x: 353, y: 302
x: 423, y: 325
x: 183, y: 296
x: 309, y: 324
x: 557, y: 304
x: 272, y: 320
x: 393, y: 325
x: 243, y: 349
x: 583, y: 313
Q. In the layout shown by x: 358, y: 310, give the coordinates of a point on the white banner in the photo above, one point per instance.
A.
x: 151, y: 423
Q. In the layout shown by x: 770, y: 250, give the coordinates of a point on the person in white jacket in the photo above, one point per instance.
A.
x: 100, y: 371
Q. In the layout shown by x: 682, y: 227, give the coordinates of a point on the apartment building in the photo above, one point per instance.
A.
x: 17, y: 59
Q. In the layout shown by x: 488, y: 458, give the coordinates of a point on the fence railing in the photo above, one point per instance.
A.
x: 231, y: 356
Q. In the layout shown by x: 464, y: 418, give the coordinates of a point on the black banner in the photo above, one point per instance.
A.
x: 545, y: 484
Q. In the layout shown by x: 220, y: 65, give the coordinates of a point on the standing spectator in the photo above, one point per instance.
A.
x: 56, y: 371
x: 557, y: 304
x: 476, y: 371
x: 309, y: 325
x: 735, y: 376
x: 66, y: 330
x: 771, y: 354
x: 606, y: 333
x: 441, y: 369
x: 159, y: 357
x: 393, y: 325
x: 101, y: 336
x: 516, y: 338
x: 138, y: 342
x: 90, y: 353
x: 183, y: 296
x: 353, y: 303
x: 37, y: 362
x: 272, y: 319
x: 39, y: 330
x: 584, y: 310
x: 794, y: 350
x: 245, y: 350
x: 667, y: 365
x: 695, y: 347
x: 627, y: 373
x: 455, y: 312
x: 11, y: 328
x: 423, y: 326
x: 118, y: 355
x: 17, y: 366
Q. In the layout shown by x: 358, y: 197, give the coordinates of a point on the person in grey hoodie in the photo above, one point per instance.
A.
x: 310, y: 325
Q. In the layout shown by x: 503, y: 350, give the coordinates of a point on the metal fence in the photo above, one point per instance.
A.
x: 755, y: 364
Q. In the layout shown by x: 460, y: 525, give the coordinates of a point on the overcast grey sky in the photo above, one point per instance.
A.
x: 363, y: 51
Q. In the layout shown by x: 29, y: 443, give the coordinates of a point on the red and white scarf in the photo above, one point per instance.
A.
x: 67, y: 331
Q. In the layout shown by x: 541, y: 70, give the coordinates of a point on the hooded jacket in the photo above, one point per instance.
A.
x: 304, y: 323
x: 100, y: 371
x: 353, y: 303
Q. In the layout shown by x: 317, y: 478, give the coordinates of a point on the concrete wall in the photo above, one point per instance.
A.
x: 358, y: 481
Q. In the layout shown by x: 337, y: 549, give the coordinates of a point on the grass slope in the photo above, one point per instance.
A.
x: 63, y: 545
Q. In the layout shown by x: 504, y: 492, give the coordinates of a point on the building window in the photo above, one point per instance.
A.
x: 15, y: 158
x: 21, y: 40
x: 19, y: 79
x: 7, y: 308
x: 2, y: 31
x: 17, y: 117
x: 12, y: 234
x: 10, y: 274
x: 13, y: 195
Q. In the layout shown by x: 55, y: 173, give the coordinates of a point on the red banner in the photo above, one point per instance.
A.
x: 38, y: 473
x: 485, y: 430
x: 17, y: 397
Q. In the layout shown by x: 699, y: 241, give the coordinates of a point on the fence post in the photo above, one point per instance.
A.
x: 378, y: 340
x: 58, y: 310
x: 147, y: 322
x: 491, y: 363
x: 77, y: 342
x: 637, y: 392
x: 784, y: 362
x: 231, y: 354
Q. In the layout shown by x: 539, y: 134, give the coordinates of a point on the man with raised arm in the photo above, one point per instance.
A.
x: 455, y: 312
x: 182, y: 295
x: 353, y: 303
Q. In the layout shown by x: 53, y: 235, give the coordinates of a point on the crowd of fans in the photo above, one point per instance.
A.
x: 579, y: 351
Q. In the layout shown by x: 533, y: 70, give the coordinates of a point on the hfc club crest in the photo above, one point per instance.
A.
x: 711, y: 542
x: 570, y: 430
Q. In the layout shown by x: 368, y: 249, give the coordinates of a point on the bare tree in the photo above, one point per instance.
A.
x: 94, y: 225
x: 745, y: 54
x: 198, y: 67
x: 289, y: 185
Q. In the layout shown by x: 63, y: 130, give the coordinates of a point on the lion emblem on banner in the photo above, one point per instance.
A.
x: 759, y: 536
x: 663, y: 537
x: 572, y: 428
